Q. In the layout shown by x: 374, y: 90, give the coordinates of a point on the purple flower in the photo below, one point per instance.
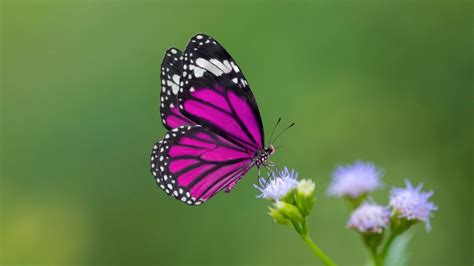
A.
x: 355, y: 180
x: 411, y: 203
x: 277, y: 185
x: 369, y: 218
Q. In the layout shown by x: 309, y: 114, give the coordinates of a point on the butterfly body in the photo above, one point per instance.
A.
x: 215, y: 130
x: 261, y: 157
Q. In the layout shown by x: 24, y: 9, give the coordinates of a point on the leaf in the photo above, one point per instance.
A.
x: 398, y: 253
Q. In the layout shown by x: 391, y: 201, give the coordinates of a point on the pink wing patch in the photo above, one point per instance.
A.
x: 196, y: 163
x: 226, y: 112
x: 174, y: 118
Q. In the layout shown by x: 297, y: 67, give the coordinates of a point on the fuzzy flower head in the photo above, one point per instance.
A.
x: 354, y: 180
x: 278, y: 185
x: 369, y: 218
x: 412, y: 203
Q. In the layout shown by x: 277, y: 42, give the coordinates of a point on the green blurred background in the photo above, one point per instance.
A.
x: 385, y: 81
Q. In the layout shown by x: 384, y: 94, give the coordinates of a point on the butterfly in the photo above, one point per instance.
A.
x: 215, y: 132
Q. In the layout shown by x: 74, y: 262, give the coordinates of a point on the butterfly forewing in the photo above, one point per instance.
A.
x: 214, y: 93
x: 171, y: 70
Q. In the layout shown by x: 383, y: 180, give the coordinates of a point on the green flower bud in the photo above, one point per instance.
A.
x: 289, y: 211
x: 304, y: 196
x: 278, y: 217
x: 400, y: 224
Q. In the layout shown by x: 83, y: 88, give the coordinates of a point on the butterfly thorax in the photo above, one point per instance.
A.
x: 261, y: 156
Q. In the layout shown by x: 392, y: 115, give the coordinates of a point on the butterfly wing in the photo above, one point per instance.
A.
x: 215, y: 94
x: 193, y: 163
x: 171, y: 68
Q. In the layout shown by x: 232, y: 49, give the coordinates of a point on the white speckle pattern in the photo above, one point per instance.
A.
x: 170, y: 79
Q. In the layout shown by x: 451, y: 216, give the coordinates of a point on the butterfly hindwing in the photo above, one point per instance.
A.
x: 193, y: 163
x: 214, y: 93
x: 171, y: 70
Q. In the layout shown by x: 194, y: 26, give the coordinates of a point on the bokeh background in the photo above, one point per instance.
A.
x: 384, y: 81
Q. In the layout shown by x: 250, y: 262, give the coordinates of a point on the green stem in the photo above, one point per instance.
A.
x: 372, y: 242
x: 387, y: 245
x: 316, y: 250
x: 395, y: 232
x: 373, y: 256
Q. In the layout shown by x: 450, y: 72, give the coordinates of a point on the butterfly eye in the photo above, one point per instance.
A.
x: 271, y: 149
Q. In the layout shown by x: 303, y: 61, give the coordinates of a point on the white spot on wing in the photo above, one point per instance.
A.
x: 198, y: 72
x: 227, y: 64
x: 174, y: 84
x: 203, y: 63
x: 235, y: 67
x: 220, y: 65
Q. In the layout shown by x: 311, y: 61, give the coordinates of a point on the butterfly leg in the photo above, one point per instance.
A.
x: 231, y: 185
x: 270, y: 163
x: 269, y: 169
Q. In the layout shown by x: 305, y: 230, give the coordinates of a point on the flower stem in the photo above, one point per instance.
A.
x: 317, y: 251
x: 303, y: 232
x: 386, y: 247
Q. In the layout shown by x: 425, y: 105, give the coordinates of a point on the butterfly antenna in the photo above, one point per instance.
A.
x: 277, y: 147
x: 273, y: 130
x: 283, y: 131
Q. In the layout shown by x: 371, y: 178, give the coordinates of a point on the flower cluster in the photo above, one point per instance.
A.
x: 292, y: 199
x: 292, y: 202
x: 407, y: 206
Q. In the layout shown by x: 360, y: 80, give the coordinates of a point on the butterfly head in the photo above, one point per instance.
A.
x: 270, y: 150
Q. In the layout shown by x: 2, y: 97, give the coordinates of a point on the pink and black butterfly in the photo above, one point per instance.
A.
x: 215, y: 130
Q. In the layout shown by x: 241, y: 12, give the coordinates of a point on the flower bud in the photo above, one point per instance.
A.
x: 289, y: 211
x: 304, y: 196
x: 278, y: 217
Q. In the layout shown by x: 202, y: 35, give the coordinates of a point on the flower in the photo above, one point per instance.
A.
x: 305, y: 196
x: 369, y: 218
x: 288, y: 211
x: 411, y: 203
x: 278, y: 185
x: 306, y: 188
x: 278, y: 216
x: 354, y: 180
